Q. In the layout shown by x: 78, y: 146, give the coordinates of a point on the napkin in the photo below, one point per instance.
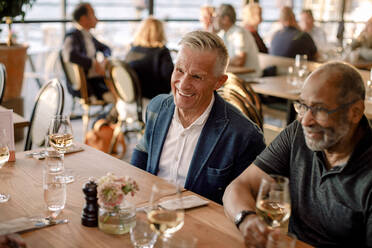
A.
x: 25, y: 223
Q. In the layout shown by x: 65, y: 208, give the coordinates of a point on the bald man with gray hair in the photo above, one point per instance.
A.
x: 327, y: 156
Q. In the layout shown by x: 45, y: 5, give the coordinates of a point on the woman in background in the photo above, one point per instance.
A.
x: 151, y: 59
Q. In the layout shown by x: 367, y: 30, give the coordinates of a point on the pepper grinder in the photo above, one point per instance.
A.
x: 89, y: 216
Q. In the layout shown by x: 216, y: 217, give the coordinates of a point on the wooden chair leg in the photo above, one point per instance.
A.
x: 115, y: 135
x: 85, y: 120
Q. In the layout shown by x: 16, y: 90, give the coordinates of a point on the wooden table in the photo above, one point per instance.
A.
x: 238, y: 70
x: 23, y: 180
x: 18, y: 120
x: 279, y: 87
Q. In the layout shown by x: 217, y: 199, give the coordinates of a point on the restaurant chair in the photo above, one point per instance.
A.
x: 77, y: 87
x: 245, y: 90
x: 2, y: 81
x: 49, y: 102
x: 123, y: 82
x: 241, y: 103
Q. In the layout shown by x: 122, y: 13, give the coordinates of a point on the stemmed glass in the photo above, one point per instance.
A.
x: 166, y: 216
x: 4, y: 157
x: 273, y: 203
x: 60, y: 136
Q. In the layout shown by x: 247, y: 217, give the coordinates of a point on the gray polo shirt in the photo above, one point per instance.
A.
x: 329, y: 208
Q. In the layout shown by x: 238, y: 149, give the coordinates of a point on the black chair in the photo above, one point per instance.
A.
x: 123, y: 82
x: 2, y: 81
x: 77, y: 87
x: 49, y: 102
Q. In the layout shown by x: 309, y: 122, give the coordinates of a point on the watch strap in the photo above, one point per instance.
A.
x: 243, y: 214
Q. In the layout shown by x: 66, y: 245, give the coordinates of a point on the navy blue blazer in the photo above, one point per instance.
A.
x: 228, y: 144
x: 78, y: 52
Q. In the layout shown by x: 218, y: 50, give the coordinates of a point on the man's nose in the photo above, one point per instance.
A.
x: 308, y: 118
x: 184, y: 82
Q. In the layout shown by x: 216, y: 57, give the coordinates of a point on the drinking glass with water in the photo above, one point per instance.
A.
x: 54, y: 186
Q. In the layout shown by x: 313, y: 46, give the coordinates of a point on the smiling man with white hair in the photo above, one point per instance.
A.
x: 193, y: 137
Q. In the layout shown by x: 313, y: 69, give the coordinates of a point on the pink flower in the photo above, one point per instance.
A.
x: 111, y: 189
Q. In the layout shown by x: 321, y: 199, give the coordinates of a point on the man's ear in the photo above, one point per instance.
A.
x: 221, y: 80
x: 356, y: 111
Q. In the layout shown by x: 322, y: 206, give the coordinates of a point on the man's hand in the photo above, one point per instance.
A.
x: 11, y: 241
x: 99, y: 67
x: 254, y: 231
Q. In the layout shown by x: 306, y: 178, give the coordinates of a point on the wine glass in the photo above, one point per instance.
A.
x: 60, y: 133
x: 166, y: 213
x: 273, y: 203
x: 60, y: 137
x: 4, y: 157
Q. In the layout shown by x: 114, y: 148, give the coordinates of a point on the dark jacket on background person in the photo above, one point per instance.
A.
x: 154, y: 68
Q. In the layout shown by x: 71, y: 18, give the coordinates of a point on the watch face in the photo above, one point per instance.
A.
x: 238, y: 218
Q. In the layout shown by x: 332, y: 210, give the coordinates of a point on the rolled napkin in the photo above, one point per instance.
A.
x: 26, y: 223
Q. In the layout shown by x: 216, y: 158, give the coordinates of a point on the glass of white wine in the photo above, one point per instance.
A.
x: 273, y: 203
x: 60, y: 136
x: 4, y: 157
x: 166, y: 214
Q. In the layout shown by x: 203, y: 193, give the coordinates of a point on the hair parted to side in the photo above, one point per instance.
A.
x: 308, y: 12
x: 150, y: 33
x: 207, y: 41
x: 80, y: 10
x: 227, y: 10
x: 347, y: 79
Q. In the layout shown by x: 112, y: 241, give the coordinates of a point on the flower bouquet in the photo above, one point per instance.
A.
x: 116, y: 215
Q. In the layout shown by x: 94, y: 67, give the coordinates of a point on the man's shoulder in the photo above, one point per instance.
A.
x: 160, y: 100
x: 73, y: 32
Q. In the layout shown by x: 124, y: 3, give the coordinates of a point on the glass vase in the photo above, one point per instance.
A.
x: 118, y: 219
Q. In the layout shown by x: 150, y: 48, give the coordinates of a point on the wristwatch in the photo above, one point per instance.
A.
x: 241, y: 216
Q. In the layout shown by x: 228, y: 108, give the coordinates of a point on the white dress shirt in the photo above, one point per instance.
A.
x: 238, y: 40
x: 179, y: 146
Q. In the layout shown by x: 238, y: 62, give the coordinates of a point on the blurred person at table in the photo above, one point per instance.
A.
x: 290, y: 41
x: 242, y: 48
x: 252, y: 17
x: 362, y: 46
x: 193, y: 137
x: 317, y: 33
x: 327, y: 156
x: 12, y: 241
x: 80, y: 47
x: 207, y: 13
x: 151, y: 59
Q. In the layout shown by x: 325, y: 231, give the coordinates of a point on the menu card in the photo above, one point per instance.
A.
x: 6, y: 122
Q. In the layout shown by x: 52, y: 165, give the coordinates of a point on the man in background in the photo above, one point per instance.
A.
x: 80, y: 47
x: 240, y: 44
x: 290, y: 41
x: 317, y: 34
x: 327, y: 156
x: 193, y: 137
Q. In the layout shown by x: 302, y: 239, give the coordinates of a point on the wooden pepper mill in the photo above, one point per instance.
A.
x: 89, y: 216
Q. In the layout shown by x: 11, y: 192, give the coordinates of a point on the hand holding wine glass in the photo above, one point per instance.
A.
x: 4, y: 157
x: 165, y: 219
x: 273, y: 203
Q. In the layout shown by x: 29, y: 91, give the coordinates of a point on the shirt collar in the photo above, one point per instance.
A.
x: 81, y: 29
x: 201, y: 119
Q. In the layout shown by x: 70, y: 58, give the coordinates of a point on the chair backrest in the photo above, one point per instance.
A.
x: 125, y: 84
x: 49, y: 102
x: 2, y: 81
x: 245, y: 90
x: 75, y: 79
x: 241, y: 103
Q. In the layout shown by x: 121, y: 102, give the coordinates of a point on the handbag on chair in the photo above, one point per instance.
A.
x: 100, y: 137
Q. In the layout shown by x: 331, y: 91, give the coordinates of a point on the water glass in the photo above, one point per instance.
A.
x: 180, y: 240
x: 301, y: 61
x: 369, y: 91
x: 277, y: 239
x: 142, y: 236
x: 54, y: 191
x: 54, y: 161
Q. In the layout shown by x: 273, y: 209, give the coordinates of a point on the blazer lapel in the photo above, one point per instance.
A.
x: 160, y: 131
x: 209, y: 137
